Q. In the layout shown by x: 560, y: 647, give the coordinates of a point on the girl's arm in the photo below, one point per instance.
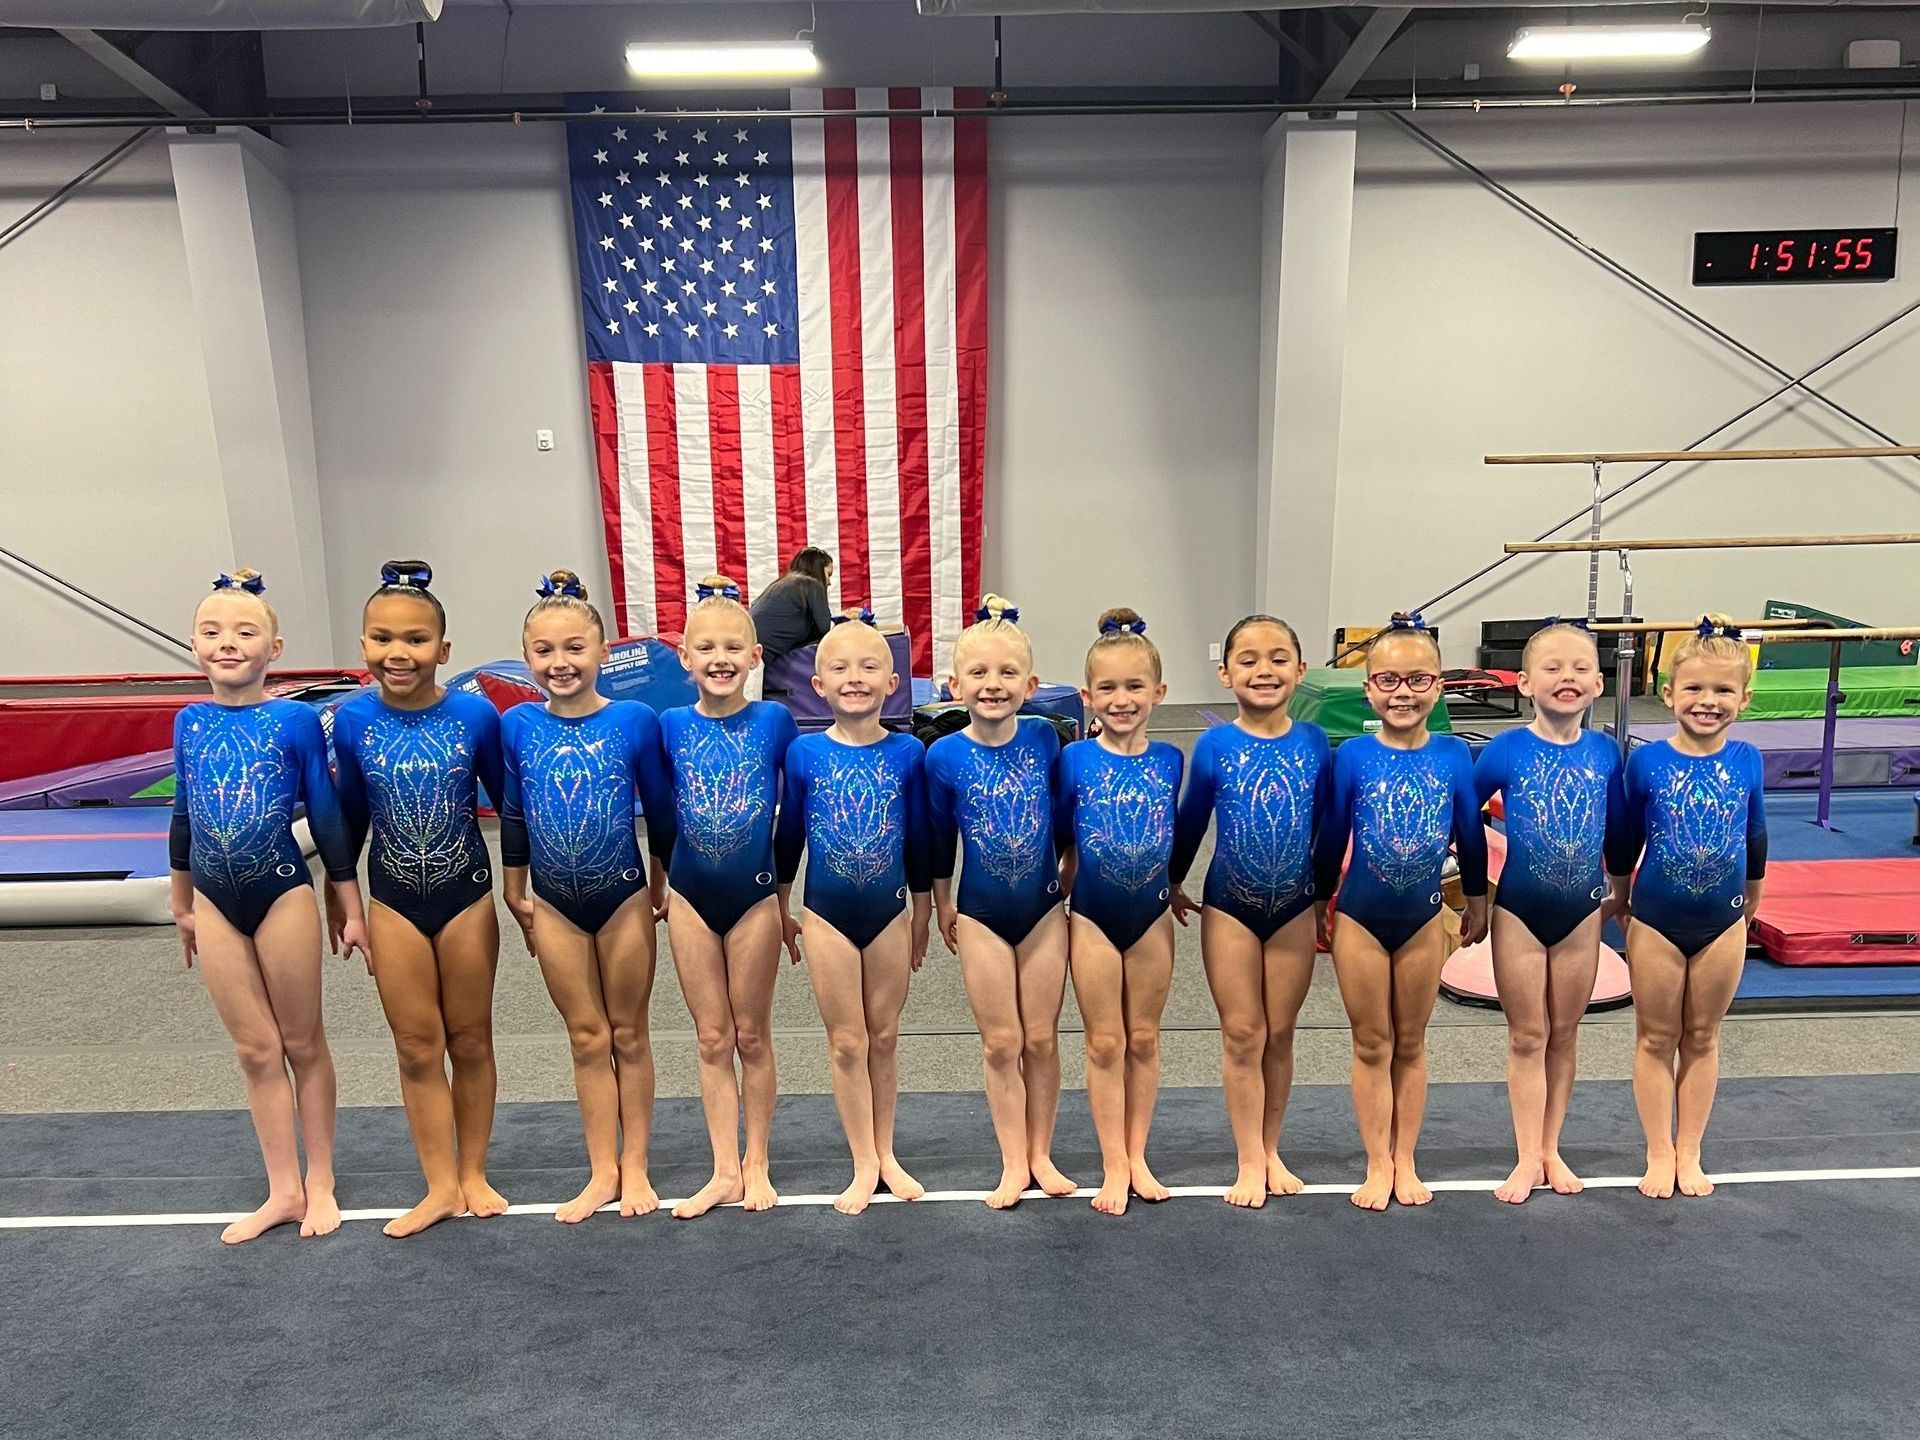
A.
x: 489, y: 763
x: 1627, y: 836
x: 653, y: 782
x: 918, y: 855
x: 1190, y: 823
x: 1756, y: 833
x: 1334, y: 830
x: 1617, y: 905
x: 516, y: 850
x: 351, y: 782
x: 944, y: 835
x: 1470, y: 845
x: 1066, y: 794
x: 331, y: 837
x: 1490, y: 770
x: 180, y: 848
x: 789, y: 839
x: 1322, y: 808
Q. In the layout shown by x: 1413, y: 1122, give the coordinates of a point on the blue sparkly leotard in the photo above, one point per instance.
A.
x: 1561, y: 801
x: 412, y: 779
x: 1117, y: 812
x: 999, y: 800
x: 1703, y: 822
x: 726, y: 784
x: 861, y: 813
x: 1267, y: 799
x: 1399, y: 807
x: 238, y: 772
x: 566, y: 804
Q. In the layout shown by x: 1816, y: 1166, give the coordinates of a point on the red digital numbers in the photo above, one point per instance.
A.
x: 1863, y: 250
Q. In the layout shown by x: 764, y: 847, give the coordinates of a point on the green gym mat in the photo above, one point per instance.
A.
x: 1802, y: 694
x: 1861, y: 654
x: 1336, y: 701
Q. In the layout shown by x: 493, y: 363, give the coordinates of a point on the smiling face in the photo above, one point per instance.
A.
x: 993, y: 674
x: 853, y: 671
x: 401, y: 643
x: 565, y: 650
x: 1562, y: 675
x: 719, y: 649
x: 1262, y: 667
x: 235, y: 639
x: 1707, y: 694
x: 1403, y: 680
x: 1121, y: 688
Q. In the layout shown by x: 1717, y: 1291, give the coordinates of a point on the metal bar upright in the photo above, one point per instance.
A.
x: 1829, y: 737
x: 1624, y: 661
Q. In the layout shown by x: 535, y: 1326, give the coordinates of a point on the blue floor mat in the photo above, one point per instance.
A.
x: 1869, y: 825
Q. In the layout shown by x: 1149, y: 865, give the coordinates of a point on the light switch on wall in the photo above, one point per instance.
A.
x: 543, y: 439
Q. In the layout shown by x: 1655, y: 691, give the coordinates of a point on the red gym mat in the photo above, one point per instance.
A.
x: 1841, y: 912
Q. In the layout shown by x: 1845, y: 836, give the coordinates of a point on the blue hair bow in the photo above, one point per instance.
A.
x: 1707, y: 629
x: 708, y: 592
x: 863, y: 615
x: 1011, y: 614
x: 417, y: 577
x: 1578, y: 622
x: 1111, y: 626
x: 253, y: 584
x: 1409, y: 621
x: 571, y: 586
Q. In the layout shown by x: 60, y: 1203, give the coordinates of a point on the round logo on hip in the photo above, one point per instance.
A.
x: 1598, y: 892
x: 629, y: 874
x: 1165, y: 892
x: 763, y: 878
x: 901, y: 893
x: 284, y: 869
x: 1434, y: 898
x: 1739, y: 902
x: 481, y: 876
x: 1053, y: 887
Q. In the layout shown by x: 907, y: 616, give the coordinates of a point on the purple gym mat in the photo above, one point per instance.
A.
x: 1866, y: 752
x: 109, y: 782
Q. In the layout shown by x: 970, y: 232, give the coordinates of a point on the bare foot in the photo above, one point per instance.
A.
x: 1249, y: 1188
x: 1048, y: 1177
x: 1376, y: 1189
x: 1561, y: 1178
x: 1407, y: 1187
x: 323, y: 1212
x: 899, y: 1183
x: 601, y: 1190
x: 760, y: 1192
x: 482, y: 1199
x: 1280, y: 1180
x: 1006, y: 1195
x: 857, y: 1196
x: 1112, y: 1199
x: 1146, y: 1184
x: 1691, y: 1178
x: 720, y: 1190
x: 279, y: 1210
x: 637, y: 1195
x: 430, y: 1211
x: 1657, y: 1183
x: 1518, y: 1185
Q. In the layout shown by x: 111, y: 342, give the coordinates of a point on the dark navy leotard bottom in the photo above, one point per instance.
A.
x: 1014, y: 928
x: 1689, y: 940
x: 1125, y: 927
x: 1394, y: 930
x: 432, y: 913
x: 1550, y: 922
x: 246, y: 907
x: 590, y: 913
x: 723, y: 905
x: 860, y: 927
x: 1261, y: 922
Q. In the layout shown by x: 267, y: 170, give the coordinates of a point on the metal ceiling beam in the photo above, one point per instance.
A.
x: 1382, y: 25
x: 120, y: 63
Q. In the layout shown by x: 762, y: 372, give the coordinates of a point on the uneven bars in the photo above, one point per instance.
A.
x: 1648, y: 457
x: 1884, y: 632
x: 1655, y: 627
x: 1707, y: 542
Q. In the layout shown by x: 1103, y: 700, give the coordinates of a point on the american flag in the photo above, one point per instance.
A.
x: 786, y: 327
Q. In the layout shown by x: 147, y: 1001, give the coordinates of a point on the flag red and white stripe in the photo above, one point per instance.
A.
x: 872, y: 447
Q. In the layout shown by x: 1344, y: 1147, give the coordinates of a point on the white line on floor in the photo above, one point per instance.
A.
x: 1213, y: 1192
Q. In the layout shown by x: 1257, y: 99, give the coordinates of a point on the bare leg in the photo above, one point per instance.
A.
x: 1042, y: 965
x: 1571, y: 967
x: 988, y: 969
x: 1659, y: 989
x: 1287, y: 958
x: 833, y: 965
x: 1148, y: 971
x: 1235, y: 969
x: 408, y: 978
x: 1098, y: 986
x: 572, y: 972
x: 624, y: 949
x: 234, y: 983
x: 701, y: 963
x: 1365, y: 972
x: 1520, y: 978
x: 753, y: 966
x: 469, y: 952
x: 1712, y: 977
x: 287, y: 945
x: 887, y: 970
x: 1416, y: 986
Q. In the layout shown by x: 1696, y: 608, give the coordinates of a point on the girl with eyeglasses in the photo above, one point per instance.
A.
x: 1399, y: 796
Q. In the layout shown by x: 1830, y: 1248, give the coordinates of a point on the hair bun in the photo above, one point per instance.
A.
x: 412, y: 574
x: 997, y: 607
x: 561, y: 582
x: 717, y: 587
x: 250, y: 581
x: 1121, y: 619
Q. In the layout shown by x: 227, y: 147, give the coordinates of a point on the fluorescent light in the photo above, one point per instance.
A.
x: 1591, y: 42
x: 742, y: 57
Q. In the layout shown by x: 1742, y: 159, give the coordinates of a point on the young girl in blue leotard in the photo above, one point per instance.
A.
x: 855, y: 799
x: 412, y: 757
x: 726, y: 752
x: 1562, y: 789
x: 243, y: 899
x: 991, y: 785
x: 1114, y: 802
x: 1263, y: 783
x: 1399, y: 796
x: 573, y: 770
x: 1694, y: 803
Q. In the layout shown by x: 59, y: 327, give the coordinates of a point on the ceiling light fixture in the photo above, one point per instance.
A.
x: 1607, y: 42
x: 660, y: 61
